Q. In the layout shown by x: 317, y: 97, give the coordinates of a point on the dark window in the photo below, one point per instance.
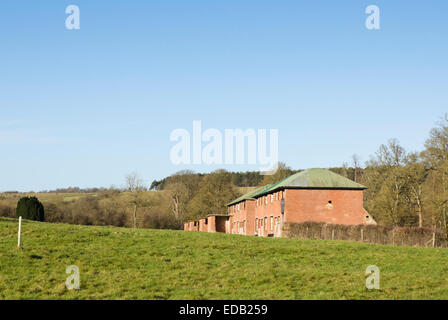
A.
x: 330, y: 202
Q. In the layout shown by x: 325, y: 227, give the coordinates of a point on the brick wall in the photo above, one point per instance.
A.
x: 268, y: 214
x: 242, y: 220
x: 331, y: 206
x: 263, y: 216
x: 211, y: 226
x: 203, y: 225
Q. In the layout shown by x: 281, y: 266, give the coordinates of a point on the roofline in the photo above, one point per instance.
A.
x: 245, y: 196
x: 235, y: 202
x: 308, y: 188
x: 217, y: 215
x: 209, y: 215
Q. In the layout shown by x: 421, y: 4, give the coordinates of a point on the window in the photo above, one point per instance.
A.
x: 329, y: 202
x: 272, y: 198
x: 265, y: 223
x: 272, y: 224
x: 206, y: 221
x: 265, y: 199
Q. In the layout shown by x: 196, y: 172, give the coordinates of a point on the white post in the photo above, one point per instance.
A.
x: 20, y: 229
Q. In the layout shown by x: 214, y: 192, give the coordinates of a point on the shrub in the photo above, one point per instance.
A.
x: 30, y: 208
x: 407, y: 236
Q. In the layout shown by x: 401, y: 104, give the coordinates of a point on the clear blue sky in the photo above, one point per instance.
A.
x: 83, y: 108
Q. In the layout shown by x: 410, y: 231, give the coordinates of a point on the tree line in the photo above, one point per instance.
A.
x: 407, y: 188
x: 404, y: 189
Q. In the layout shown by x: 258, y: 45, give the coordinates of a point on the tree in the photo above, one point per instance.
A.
x: 155, y: 185
x: 134, y: 184
x: 30, y: 208
x: 179, y: 198
x: 355, y: 159
x: 344, y: 170
x: 282, y: 172
x: 216, y: 190
x: 416, y: 174
x: 391, y: 155
x: 435, y: 157
x: 386, y: 179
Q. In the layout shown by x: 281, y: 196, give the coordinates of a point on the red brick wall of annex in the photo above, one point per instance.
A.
x: 346, y: 206
x: 193, y: 227
x: 211, y: 226
x: 203, y: 226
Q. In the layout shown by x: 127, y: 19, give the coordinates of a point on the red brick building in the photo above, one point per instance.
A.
x: 241, y: 213
x: 316, y: 195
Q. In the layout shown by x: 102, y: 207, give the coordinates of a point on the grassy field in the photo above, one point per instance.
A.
x: 118, y: 263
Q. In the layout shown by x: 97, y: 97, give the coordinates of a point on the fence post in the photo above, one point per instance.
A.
x: 433, y: 239
x: 19, y: 232
x: 362, y: 235
x: 332, y: 234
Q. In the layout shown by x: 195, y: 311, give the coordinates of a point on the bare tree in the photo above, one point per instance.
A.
x: 178, y: 194
x: 344, y: 169
x: 133, y: 182
x: 135, y: 185
x: 392, y: 154
x: 355, y: 159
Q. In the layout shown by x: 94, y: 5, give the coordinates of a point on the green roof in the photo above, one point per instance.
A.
x: 314, y: 179
x: 249, y: 195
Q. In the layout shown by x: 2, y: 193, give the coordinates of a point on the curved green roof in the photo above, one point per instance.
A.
x: 314, y: 179
x: 249, y: 195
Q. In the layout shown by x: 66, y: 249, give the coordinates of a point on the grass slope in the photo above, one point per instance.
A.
x: 117, y: 263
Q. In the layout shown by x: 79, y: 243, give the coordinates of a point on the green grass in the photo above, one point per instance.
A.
x: 117, y: 263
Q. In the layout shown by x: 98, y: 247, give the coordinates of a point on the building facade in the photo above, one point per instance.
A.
x: 313, y: 195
